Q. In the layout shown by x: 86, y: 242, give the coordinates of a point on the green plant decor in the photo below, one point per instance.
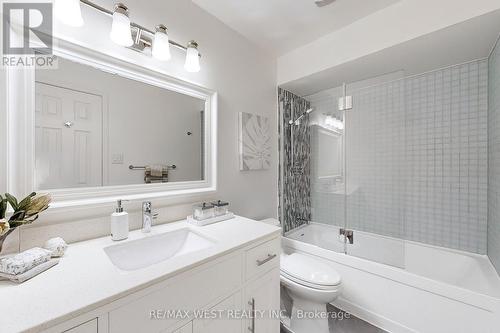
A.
x: 24, y: 212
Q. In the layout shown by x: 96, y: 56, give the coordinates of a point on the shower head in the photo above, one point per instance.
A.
x: 297, y: 121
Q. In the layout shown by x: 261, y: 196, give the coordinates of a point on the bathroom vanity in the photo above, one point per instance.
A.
x: 151, y: 282
x: 158, y: 282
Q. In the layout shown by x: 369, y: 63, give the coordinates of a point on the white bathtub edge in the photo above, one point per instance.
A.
x: 374, y: 319
x: 397, y: 275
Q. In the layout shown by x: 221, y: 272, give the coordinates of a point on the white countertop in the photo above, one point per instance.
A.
x: 85, y: 278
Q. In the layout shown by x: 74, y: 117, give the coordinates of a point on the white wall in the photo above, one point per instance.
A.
x: 145, y: 124
x: 401, y: 22
x: 243, y: 75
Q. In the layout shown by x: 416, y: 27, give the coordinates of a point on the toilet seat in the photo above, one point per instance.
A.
x: 311, y: 284
x: 285, y: 278
x: 309, y: 272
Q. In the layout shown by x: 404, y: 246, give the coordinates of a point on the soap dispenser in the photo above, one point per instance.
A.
x: 119, y: 223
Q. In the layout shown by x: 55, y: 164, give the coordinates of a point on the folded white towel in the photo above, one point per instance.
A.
x: 24, y: 261
x: 31, y: 273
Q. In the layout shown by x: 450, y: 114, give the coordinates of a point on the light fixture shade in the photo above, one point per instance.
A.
x: 121, y: 33
x: 161, y: 45
x: 329, y: 121
x: 339, y: 124
x: 69, y: 12
x: 192, y: 64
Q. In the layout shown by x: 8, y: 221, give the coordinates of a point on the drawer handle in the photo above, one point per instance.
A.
x: 251, y: 328
x: 269, y: 258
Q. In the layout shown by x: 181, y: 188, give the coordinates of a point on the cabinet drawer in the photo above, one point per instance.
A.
x: 187, y: 292
x: 262, y: 258
x: 224, y: 323
x: 88, y: 327
x: 185, y: 329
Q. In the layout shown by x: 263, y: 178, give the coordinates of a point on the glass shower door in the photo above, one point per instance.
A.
x: 327, y: 172
x: 374, y: 167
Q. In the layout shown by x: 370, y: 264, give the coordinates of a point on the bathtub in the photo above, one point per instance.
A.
x: 406, y: 286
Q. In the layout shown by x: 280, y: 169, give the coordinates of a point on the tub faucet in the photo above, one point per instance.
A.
x: 147, y: 216
x: 348, y: 234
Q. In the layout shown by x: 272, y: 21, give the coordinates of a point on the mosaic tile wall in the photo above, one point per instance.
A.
x: 294, y: 180
x: 494, y: 159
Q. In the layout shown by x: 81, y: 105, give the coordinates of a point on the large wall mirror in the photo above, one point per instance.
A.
x: 99, y: 127
x: 94, y: 128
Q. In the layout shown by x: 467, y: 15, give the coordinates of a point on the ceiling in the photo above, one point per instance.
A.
x: 280, y: 26
x: 466, y: 41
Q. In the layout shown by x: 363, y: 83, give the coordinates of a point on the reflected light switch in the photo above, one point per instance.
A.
x: 117, y: 158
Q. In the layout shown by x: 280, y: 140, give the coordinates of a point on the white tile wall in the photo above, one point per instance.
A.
x: 446, y: 157
x: 417, y: 159
x: 494, y: 159
x: 375, y: 148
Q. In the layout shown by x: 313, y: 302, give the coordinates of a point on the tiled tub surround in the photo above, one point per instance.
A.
x: 294, y: 179
x: 416, y: 159
x: 494, y: 158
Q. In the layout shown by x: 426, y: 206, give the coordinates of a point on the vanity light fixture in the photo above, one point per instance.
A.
x: 130, y: 34
x: 192, y: 64
x: 69, y: 12
x: 161, y: 46
x: 121, y: 32
x: 334, y: 122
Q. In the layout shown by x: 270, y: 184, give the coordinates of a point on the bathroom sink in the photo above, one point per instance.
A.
x: 154, y: 249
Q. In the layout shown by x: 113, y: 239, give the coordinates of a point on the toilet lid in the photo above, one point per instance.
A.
x: 309, y: 270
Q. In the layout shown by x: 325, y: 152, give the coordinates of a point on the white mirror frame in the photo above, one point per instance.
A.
x: 19, y: 162
x: 340, y: 136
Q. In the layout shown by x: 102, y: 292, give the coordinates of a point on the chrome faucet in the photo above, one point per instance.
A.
x: 147, y: 216
x: 347, y: 234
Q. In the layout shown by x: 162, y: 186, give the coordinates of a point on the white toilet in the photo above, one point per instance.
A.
x: 311, y: 283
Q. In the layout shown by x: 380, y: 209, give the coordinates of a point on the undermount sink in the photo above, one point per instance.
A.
x: 151, y: 250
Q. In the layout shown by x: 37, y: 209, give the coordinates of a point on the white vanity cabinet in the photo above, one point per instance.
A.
x: 225, y: 323
x: 262, y: 291
x: 188, y: 328
x: 263, y: 298
x: 218, y: 294
x: 88, y: 327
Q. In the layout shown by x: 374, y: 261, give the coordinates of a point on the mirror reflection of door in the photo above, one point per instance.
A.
x: 68, y: 138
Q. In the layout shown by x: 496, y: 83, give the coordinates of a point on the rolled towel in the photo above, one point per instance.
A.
x: 149, y: 179
x: 24, y: 261
x: 57, y: 246
x: 157, y: 170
